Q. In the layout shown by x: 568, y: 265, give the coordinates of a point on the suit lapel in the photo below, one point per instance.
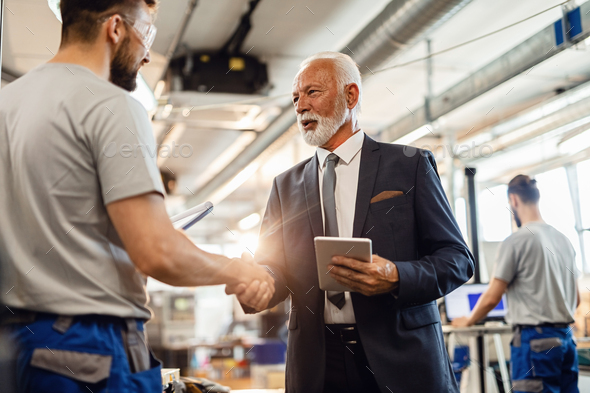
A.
x: 370, y: 156
x: 312, y: 196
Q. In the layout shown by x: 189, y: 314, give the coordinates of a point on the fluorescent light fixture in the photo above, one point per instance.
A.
x: 166, y: 111
x: 247, y: 122
x: 249, y: 222
x: 414, y: 135
x: 244, y: 175
x: 236, y: 182
x: 159, y: 89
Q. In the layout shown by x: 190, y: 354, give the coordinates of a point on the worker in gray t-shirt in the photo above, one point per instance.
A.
x: 83, y: 221
x: 536, y: 268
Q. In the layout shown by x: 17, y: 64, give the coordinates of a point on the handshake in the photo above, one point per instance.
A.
x: 253, y: 284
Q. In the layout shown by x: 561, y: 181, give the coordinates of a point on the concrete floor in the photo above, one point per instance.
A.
x: 584, y: 381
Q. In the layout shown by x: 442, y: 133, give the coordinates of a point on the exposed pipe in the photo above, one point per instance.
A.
x: 545, y: 44
x: 399, y: 25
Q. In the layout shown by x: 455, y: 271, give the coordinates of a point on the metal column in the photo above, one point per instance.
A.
x: 472, y: 220
x: 473, y: 236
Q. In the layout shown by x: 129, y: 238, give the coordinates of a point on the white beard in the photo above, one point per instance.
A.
x: 326, y: 126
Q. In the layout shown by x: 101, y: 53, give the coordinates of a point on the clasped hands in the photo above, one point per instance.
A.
x: 254, y: 286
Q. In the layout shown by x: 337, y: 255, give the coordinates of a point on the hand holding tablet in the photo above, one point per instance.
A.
x: 328, y: 247
x: 346, y: 264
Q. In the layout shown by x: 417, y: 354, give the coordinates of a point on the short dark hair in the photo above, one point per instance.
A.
x: 80, y: 17
x: 525, y: 188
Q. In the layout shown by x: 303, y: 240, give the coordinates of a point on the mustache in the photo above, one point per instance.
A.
x: 307, y: 116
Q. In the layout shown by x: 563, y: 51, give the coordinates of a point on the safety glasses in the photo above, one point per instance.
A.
x: 145, y: 31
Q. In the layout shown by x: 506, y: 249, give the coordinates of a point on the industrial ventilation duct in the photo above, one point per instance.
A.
x: 399, y: 25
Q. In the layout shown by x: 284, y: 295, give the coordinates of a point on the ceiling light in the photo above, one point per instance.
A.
x: 236, y: 182
x: 249, y: 222
x: 159, y: 89
x: 166, y: 111
x: 414, y: 135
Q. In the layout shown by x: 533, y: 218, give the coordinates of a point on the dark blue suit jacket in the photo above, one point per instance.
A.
x: 401, y: 336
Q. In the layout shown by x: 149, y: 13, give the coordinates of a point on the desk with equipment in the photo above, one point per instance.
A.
x: 460, y: 303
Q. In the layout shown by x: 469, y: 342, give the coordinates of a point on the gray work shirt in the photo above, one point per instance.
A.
x: 538, y: 262
x: 70, y: 144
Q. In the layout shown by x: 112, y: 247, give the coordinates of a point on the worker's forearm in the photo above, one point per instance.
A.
x: 484, y: 305
x: 179, y: 262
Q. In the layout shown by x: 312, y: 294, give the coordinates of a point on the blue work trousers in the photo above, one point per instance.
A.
x: 83, y: 354
x: 544, y: 359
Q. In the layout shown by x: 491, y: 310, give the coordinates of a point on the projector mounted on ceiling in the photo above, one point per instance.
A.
x: 218, y: 73
x: 224, y: 71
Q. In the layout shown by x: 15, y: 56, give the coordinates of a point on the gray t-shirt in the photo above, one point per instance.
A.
x: 538, y: 262
x: 70, y: 144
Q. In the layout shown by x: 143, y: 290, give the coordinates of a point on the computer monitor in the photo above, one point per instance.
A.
x: 462, y: 300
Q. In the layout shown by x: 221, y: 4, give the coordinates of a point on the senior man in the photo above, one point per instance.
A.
x: 384, y: 335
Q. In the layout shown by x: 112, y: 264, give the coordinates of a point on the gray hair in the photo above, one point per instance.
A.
x: 347, y: 73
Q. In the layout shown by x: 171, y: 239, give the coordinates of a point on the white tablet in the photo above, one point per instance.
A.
x: 328, y: 247
x: 188, y: 218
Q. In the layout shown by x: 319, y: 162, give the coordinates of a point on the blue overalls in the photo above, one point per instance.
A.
x: 97, y: 354
x: 544, y: 359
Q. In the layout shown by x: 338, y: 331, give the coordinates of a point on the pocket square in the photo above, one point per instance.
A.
x: 386, y: 195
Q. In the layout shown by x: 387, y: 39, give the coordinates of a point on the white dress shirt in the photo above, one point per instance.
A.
x: 347, y: 177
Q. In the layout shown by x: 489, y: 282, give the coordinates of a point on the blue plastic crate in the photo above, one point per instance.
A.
x: 268, y: 352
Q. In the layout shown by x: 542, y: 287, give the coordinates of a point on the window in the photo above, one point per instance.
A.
x: 583, y: 169
x: 494, y: 214
x: 556, y: 206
